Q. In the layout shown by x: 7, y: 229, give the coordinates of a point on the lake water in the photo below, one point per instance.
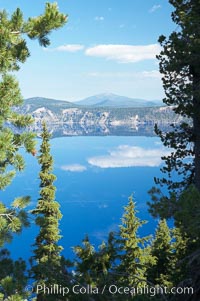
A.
x: 95, y: 177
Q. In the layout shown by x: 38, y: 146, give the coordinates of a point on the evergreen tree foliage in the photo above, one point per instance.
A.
x: 10, y: 140
x: 162, y: 251
x: 47, y: 263
x: 179, y: 66
x: 85, y: 260
x: 13, y: 219
x: 14, y: 31
x: 188, y: 241
x: 134, y: 255
x: 180, y: 247
x: 12, y: 277
x: 14, y: 50
x: 188, y: 218
x: 96, y: 267
x: 128, y: 260
x: 123, y: 260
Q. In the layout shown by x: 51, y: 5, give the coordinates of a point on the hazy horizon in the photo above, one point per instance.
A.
x: 106, y: 46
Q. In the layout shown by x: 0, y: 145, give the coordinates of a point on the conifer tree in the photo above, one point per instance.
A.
x: 85, y: 261
x: 46, y: 262
x: 162, y: 251
x: 12, y: 219
x: 14, y: 31
x: 134, y: 252
x: 181, y: 244
x: 170, y: 249
x: 91, y: 264
x: 179, y: 66
x: 14, y: 51
x: 13, y: 277
x: 94, y: 267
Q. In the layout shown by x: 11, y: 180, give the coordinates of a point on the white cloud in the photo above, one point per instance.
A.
x: 74, y: 168
x: 67, y: 48
x: 124, y: 53
x: 154, y: 8
x: 129, y: 156
x: 99, y: 18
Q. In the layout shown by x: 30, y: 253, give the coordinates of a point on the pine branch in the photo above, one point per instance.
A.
x: 7, y: 215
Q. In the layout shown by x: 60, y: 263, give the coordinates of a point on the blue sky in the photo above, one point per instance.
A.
x: 107, y: 46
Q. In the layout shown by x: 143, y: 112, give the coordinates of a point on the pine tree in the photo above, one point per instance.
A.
x: 46, y: 262
x: 133, y: 250
x: 180, y: 245
x: 188, y: 240
x: 188, y: 218
x: 13, y: 219
x: 14, y: 31
x: 13, y: 277
x: 169, y: 250
x: 179, y: 66
x: 14, y: 51
x: 94, y: 267
x: 85, y: 261
x: 162, y: 251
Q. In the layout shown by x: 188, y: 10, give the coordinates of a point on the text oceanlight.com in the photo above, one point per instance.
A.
x: 109, y: 289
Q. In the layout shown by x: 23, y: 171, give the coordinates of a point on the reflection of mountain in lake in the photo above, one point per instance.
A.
x: 60, y: 130
x: 69, y: 119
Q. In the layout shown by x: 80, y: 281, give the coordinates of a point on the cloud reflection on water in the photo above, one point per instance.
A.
x: 129, y: 156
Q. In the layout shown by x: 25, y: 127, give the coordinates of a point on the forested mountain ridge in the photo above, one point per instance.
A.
x: 57, y: 111
x: 113, y: 100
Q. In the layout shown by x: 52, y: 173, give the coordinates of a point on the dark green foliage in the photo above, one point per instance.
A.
x: 188, y: 217
x: 85, y: 261
x: 186, y: 248
x: 11, y: 142
x: 162, y: 251
x: 47, y: 264
x: 179, y: 65
x: 134, y: 254
x: 40, y: 27
x: 128, y: 260
x: 13, y: 219
x: 13, y: 30
x: 122, y: 260
x: 12, y: 277
x: 180, y: 68
x: 13, y: 51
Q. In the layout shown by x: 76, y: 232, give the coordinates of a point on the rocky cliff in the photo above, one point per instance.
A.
x: 76, y: 120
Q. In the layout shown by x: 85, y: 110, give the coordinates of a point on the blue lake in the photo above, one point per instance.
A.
x: 95, y: 177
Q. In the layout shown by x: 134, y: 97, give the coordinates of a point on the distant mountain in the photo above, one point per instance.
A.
x: 36, y: 102
x: 72, y: 119
x: 116, y: 101
x: 85, y: 118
